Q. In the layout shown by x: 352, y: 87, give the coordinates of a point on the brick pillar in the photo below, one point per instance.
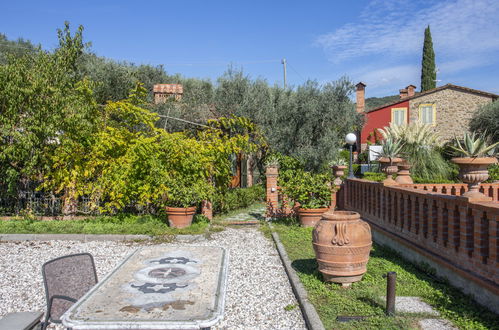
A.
x: 272, y: 199
x: 207, y: 209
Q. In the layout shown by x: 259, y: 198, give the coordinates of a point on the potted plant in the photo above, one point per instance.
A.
x: 339, y: 165
x: 389, y: 157
x: 182, y: 197
x: 312, y: 191
x: 473, y: 162
x: 272, y: 164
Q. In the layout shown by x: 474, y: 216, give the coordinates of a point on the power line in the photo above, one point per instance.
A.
x: 292, y: 68
x: 218, y: 63
x: 185, y: 121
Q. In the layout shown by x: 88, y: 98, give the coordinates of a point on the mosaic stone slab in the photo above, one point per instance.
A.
x: 157, y: 287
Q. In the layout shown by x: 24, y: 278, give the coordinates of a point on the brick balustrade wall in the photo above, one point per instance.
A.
x: 450, y: 230
x: 456, y: 189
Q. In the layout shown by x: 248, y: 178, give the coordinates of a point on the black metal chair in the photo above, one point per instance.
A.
x: 66, y: 279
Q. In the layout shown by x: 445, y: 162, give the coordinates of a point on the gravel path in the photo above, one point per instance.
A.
x: 258, y: 289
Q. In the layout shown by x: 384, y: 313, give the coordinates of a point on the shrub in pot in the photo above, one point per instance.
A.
x: 475, y: 157
x: 312, y: 191
x: 182, y: 197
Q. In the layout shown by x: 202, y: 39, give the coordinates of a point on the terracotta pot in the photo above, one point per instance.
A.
x: 404, y: 174
x: 473, y: 171
x: 309, y: 217
x: 180, y: 217
x: 388, y: 169
x: 342, y: 243
x: 338, y: 171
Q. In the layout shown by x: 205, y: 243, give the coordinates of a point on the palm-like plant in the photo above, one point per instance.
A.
x: 473, y: 145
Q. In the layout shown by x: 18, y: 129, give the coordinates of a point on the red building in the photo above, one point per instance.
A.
x: 448, y: 109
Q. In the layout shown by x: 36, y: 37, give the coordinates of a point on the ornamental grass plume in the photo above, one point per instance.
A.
x: 421, y: 148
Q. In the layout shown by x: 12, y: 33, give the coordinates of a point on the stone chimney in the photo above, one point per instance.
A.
x: 411, y: 90
x: 360, y: 96
x: 403, y: 93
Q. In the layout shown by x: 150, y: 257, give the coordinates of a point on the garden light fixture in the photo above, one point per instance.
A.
x: 350, y: 139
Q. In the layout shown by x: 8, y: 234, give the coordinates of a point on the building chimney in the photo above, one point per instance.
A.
x: 360, y: 96
x: 411, y: 89
x: 403, y: 93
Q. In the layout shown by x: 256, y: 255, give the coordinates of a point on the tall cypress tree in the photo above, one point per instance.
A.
x: 428, y: 70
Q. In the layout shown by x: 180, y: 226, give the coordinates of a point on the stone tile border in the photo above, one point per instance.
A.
x: 72, y: 237
x: 310, y: 315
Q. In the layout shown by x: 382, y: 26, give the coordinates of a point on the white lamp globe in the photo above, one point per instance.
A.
x: 350, y: 138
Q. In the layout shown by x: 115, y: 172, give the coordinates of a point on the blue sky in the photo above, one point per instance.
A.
x: 377, y: 42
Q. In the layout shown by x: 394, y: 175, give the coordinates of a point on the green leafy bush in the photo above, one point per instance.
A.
x: 493, y: 173
x: 486, y: 121
x: 374, y: 176
x: 237, y: 198
x: 309, y: 189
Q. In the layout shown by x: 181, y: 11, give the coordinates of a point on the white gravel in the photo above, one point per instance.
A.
x: 257, y: 294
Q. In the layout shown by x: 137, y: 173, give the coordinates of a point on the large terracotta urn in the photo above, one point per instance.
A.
x: 389, y: 168
x: 310, y: 217
x: 342, y: 242
x: 473, y: 171
x: 180, y: 217
x: 404, y: 174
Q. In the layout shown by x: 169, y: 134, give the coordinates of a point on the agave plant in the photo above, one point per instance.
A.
x: 338, y: 161
x: 391, y: 149
x: 473, y: 145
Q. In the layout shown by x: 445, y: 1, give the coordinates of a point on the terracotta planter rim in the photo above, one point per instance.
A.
x: 341, y: 216
x: 387, y: 160
x: 344, y: 167
x: 316, y: 210
x: 171, y: 209
x: 474, y: 160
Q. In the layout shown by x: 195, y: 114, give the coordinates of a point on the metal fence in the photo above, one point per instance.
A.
x: 47, y: 204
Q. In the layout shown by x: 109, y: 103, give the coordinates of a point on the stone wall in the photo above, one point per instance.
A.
x: 454, y: 110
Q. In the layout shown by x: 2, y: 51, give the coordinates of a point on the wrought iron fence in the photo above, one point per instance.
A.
x: 39, y: 203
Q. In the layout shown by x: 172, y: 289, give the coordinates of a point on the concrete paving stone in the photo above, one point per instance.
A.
x: 436, y: 324
x: 412, y: 305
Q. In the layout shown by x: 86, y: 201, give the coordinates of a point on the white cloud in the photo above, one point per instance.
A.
x: 394, y: 28
x: 400, y: 75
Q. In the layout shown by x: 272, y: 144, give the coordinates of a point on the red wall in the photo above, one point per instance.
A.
x: 379, y: 119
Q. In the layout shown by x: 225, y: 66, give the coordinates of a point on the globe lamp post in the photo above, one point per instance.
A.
x: 350, y: 139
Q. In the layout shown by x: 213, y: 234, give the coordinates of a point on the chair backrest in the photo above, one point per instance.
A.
x: 66, y: 280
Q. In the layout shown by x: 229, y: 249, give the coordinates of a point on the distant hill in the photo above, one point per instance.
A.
x: 374, y: 102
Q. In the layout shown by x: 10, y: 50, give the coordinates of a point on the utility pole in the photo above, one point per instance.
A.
x: 283, y: 61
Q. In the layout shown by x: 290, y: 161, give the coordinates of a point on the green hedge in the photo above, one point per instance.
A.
x: 237, y: 198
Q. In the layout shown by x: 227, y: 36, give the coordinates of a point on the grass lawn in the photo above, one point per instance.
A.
x: 120, y: 224
x: 364, y: 297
